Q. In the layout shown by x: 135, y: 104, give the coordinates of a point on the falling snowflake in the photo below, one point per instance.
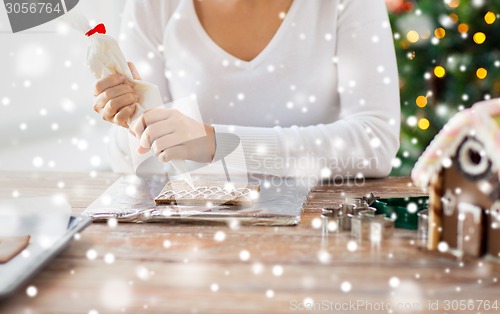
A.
x: 394, y: 282
x: 308, y: 303
x: 278, y: 270
x: 412, y: 208
x: 270, y: 293
x: 412, y: 121
x: 131, y: 190
x: 143, y: 273
x: 214, y: 287
x: 375, y: 142
x: 333, y: 226
x: 443, y: 247
x: 91, y: 254
x: 95, y: 161
x: 316, y: 223
x: 345, y: 286
x: 38, y: 162
x: 326, y: 173
x: 112, y: 222
x: 31, y: 291
x: 324, y: 257
x: 352, y: 246
x: 5, y: 101
x: 109, y: 258
x: 116, y: 294
x: 396, y: 162
x: 257, y: 268
x: 244, y: 255
x: 167, y: 244
x: 219, y: 236
x: 234, y: 224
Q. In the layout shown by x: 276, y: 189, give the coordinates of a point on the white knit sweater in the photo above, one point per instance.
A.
x: 323, y: 96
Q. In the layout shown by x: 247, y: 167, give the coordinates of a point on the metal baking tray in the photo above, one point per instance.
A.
x: 279, y: 204
x: 21, y: 269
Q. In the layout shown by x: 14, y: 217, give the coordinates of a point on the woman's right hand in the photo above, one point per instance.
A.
x: 116, y: 98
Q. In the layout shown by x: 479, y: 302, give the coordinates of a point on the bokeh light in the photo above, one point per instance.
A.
x: 453, y: 3
x: 412, y: 36
x: 439, y: 71
x: 423, y: 124
x: 479, y: 38
x: 481, y: 73
x: 463, y: 28
x: 421, y: 101
x: 490, y: 18
x: 439, y: 32
x: 454, y: 17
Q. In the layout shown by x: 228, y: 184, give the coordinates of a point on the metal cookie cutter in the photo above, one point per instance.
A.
x: 423, y: 227
x: 333, y: 220
x: 353, y: 207
x: 370, y: 227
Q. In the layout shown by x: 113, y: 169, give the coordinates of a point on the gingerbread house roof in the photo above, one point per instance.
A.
x: 481, y: 120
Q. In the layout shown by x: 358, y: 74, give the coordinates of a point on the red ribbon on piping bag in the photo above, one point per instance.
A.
x: 100, y: 28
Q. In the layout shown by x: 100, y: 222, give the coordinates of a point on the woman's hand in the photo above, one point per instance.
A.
x: 116, y: 98
x: 171, y: 135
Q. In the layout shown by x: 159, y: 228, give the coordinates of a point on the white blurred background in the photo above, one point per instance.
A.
x: 46, y: 95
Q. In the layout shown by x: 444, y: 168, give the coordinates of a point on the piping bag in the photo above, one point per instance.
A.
x: 104, y: 57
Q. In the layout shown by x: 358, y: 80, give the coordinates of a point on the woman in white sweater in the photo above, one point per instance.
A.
x: 306, y: 85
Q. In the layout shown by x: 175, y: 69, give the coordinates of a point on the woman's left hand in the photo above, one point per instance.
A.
x: 171, y: 135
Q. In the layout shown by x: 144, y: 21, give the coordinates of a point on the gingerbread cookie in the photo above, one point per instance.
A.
x: 208, y: 192
x: 11, y: 246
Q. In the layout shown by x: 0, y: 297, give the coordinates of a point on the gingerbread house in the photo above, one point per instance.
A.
x: 461, y: 171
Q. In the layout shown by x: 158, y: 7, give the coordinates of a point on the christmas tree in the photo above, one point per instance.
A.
x: 448, y: 58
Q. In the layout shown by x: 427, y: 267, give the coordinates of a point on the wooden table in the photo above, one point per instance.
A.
x: 254, y: 269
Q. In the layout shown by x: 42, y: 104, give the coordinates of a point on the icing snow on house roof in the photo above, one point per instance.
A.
x: 482, y: 120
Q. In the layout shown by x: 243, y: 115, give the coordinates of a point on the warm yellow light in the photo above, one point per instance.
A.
x: 412, y: 36
x: 463, y: 28
x: 424, y: 124
x: 479, y: 38
x: 481, y: 73
x: 453, y: 3
x: 454, y: 17
x: 439, y: 33
x: 421, y: 101
x: 490, y: 17
x: 439, y: 71
x: 425, y: 35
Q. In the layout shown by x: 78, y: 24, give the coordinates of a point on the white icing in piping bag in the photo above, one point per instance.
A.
x: 104, y: 57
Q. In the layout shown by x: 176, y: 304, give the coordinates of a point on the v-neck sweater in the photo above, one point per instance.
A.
x: 321, y: 98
